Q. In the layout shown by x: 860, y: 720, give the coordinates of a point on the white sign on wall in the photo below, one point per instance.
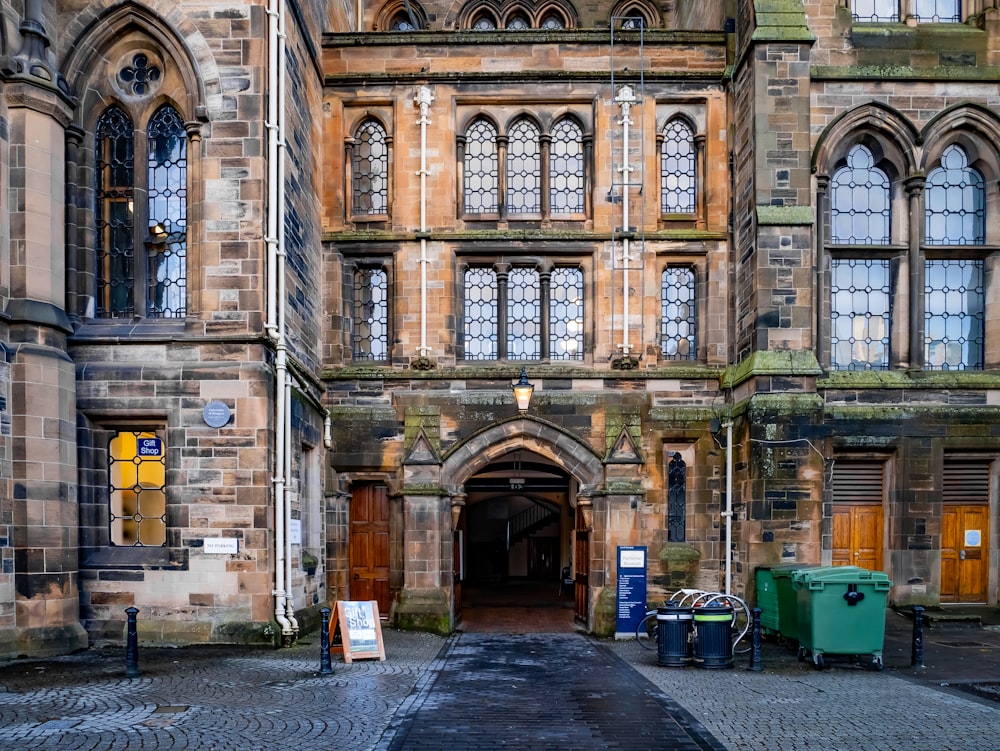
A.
x: 222, y: 545
x: 295, y: 532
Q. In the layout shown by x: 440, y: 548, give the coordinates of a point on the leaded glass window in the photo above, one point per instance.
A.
x: 552, y: 22
x: 484, y: 23
x: 677, y: 169
x: 938, y: 11
x: 167, y: 195
x: 676, y: 499
x: 370, y: 169
x: 875, y: 11
x: 370, y: 327
x: 566, y: 317
x: 955, y: 197
x: 523, y: 314
x: 677, y: 316
x: 481, y: 168
x: 566, y: 173
x: 861, y: 312
x: 523, y: 169
x: 518, y: 23
x: 859, y: 201
x: 954, y: 318
x: 115, y: 190
x: 137, y: 510
x: 480, y: 314
x: 531, y: 304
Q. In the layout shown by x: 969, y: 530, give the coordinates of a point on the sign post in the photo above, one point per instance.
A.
x: 357, y: 631
x: 631, y: 596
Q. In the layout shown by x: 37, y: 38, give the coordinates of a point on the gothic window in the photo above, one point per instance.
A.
x: 370, y: 170
x: 566, y: 168
x: 861, y: 312
x: 859, y: 201
x: 518, y: 23
x: 676, y: 499
x: 370, y: 324
x: 152, y: 282
x: 484, y: 22
x: 552, y: 22
x: 481, y: 168
x: 875, y: 11
x: 137, y: 488
x: 955, y: 198
x: 523, y: 169
x: 677, y: 168
x: 522, y: 313
x: 523, y: 173
x: 677, y: 315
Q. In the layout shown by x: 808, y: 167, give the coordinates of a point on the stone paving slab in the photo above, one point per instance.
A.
x: 558, y: 692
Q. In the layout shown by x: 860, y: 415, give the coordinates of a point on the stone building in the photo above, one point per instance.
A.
x: 269, y: 270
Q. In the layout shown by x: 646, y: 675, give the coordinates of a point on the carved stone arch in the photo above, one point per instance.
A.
x: 408, y: 9
x: 131, y: 25
x: 517, y: 117
x: 464, y: 126
x: 637, y: 8
x: 891, y: 137
x: 684, y: 117
x: 563, y: 10
x: 976, y: 129
x: 514, y: 10
x: 554, y: 444
x: 474, y: 10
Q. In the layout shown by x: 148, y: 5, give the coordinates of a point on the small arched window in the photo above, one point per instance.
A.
x: 955, y: 197
x: 566, y: 168
x: 370, y: 169
x: 524, y: 194
x: 480, y: 168
x: 859, y: 201
x: 677, y: 169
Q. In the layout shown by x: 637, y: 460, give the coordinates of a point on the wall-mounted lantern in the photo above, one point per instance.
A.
x: 522, y: 392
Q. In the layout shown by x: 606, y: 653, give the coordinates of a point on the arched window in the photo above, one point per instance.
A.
x: 484, y: 22
x: 370, y: 169
x: 524, y: 195
x: 566, y: 169
x: 955, y: 197
x: 480, y: 168
x: 859, y: 201
x: 676, y: 499
x: 552, y: 22
x: 518, y: 22
x: 152, y: 283
x: 677, y: 169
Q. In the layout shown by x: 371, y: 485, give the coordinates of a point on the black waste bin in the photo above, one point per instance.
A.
x: 713, y: 635
x: 673, y: 635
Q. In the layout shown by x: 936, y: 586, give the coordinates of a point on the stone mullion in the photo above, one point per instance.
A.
x: 823, y: 303
x: 914, y: 195
x: 503, y: 296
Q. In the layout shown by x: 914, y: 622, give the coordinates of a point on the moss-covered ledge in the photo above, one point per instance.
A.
x: 783, y: 363
x: 902, y: 379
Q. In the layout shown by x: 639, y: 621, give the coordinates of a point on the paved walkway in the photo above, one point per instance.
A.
x: 495, y: 691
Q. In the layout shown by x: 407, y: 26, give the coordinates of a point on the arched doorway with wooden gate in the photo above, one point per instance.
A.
x: 522, y: 547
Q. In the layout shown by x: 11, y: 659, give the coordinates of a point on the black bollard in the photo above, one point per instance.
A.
x: 324, y: 650
x: 132, y: 645
x: 917, y: 651
x: 755, y: 660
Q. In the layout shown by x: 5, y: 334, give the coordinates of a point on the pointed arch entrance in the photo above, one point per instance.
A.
x: 521, y: 539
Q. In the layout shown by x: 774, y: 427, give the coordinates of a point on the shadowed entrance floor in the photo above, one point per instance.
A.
x: 517, y: 607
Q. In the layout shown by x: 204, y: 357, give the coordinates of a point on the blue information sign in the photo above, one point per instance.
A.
x: 631, y: 598
x: 150, y: 447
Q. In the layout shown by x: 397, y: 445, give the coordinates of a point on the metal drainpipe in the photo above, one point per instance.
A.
x: 274, y: 326
x: 423, y: 100
x: 626, y: 99
x: 728, y: 513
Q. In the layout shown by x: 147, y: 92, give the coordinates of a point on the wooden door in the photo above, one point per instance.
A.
x: 581, y: 568
x: 965, y: 534
x: 857, y: 536
x: 370, y: 545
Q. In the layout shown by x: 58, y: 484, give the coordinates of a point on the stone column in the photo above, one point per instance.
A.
x: 425, y: 600
x: 40, y: 383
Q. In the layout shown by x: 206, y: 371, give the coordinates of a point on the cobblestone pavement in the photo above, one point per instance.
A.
x: 529, y: 691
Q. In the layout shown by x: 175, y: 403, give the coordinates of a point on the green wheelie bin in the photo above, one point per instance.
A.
x: 841, y: 610
x: 776, y: 599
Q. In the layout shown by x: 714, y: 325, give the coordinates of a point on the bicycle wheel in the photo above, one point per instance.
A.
x: 646, y: 631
